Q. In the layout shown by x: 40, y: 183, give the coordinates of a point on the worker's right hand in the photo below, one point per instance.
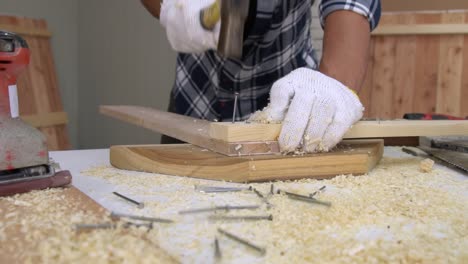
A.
x: 181, y: 19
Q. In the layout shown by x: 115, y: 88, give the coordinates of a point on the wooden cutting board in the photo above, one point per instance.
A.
x: 351, y: 157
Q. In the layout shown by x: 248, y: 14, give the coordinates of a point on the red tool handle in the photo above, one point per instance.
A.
x: 420, y: 116
x: 61, y: 178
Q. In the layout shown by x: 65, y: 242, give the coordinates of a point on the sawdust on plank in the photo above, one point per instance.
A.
x: 38, y: 228
x: 394, y: 214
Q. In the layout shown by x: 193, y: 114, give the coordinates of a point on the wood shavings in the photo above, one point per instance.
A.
x: 394, y: 214
x: 426, y: 165
x: 43, y: 233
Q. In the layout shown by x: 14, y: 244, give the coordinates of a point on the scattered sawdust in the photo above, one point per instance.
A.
x: 43, y: 233
x: 395, y: 214
x: 426, y: 165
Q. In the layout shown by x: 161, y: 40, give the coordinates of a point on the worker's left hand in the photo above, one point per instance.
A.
x: 181, y: 19
x: 316, y: 110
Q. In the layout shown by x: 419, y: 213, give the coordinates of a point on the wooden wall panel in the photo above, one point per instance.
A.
x: 417, y: 73
x: 38, y: 90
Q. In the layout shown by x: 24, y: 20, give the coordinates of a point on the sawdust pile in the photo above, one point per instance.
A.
x: 38, y: 227
x: 395, y: 214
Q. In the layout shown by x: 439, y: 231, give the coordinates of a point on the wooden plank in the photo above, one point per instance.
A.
x: 26, y: 31
x: 238, y: 132
x: 187, y: 129
x: 426, y: 29
x: 383, y: 77
x: 427, y: 66
x: 450, y: 69
x: 464, y: 87
x: 20, y: 240
x: 404, y: 74
x: 46, y: 120
x: 352, y: 157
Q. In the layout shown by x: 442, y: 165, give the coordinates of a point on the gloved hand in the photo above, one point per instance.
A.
x: 181, y: 19
x: 316, y: 110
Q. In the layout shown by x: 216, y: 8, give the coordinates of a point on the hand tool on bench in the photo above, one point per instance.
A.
x: 233, y: 14
x: 24, y: 159
x: 451, y: 150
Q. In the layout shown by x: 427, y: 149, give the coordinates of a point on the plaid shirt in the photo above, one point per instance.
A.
x: 277, y: 42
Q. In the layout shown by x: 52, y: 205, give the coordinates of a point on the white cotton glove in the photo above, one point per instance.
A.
x: 316, y: 110
x: 181, y: 19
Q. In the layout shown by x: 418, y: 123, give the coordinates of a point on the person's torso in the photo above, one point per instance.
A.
x: 278, y: 42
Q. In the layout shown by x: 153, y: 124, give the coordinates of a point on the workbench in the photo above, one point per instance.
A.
x: 191, y: 238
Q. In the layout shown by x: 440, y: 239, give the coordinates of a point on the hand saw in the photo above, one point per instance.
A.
x: 451, y: 150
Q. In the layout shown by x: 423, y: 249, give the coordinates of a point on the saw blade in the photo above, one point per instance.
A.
x: 459, y: 144
x: 454, y: 158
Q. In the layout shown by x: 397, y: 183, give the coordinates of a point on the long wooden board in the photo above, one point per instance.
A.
x: 351, y: 157
x: 234, y: 132
x: 237, y: 139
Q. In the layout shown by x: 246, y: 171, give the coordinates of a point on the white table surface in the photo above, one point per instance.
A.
x: 100, y: 190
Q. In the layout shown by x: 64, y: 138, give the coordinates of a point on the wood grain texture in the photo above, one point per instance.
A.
x: 71, y: 195
x: 46, y: 120
x: 239, y: 132
x: 187, y: 129
x: 404, y: 74
x: 38, y: 90
x: 450, y: 69
x: 429, y: 29
x: 351, y: 157
x: 66, y: 204
x: 420, y: 72
x: 427, y: 67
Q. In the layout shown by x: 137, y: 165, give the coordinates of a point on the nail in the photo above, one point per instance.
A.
x: 235, y: 108
x: 138, y: 204
x: 319, y: 190
x: 218, y: 254
x: 216, y: 189
x: 310, y: 200
x: 258, y: 193
x: 246, y: 217
x: 82, y: 227
x: 304, y: 198
x: 259, y: 249
x: 143, y: 218
x: 219, y: 208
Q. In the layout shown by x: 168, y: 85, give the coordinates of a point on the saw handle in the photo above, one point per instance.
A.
x: 60, y: 179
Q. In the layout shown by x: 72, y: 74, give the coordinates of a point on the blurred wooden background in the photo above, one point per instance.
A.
x: 418, y: 72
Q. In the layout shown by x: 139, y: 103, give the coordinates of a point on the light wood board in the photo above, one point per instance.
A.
x: 351, y: 157
x: 15, y: 246
x: 237, y: 132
